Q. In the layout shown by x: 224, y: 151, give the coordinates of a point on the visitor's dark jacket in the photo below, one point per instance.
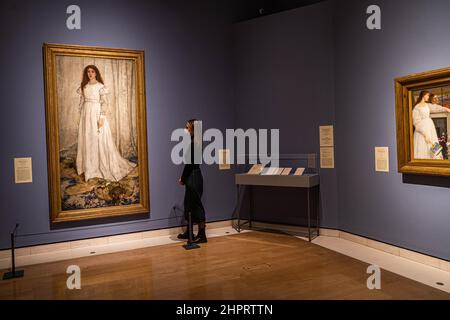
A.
x: 193, y: 181
x: 189, y: 167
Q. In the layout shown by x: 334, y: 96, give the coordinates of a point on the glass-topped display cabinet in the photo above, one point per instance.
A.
x: 285, y: 164
x: 295, y: 174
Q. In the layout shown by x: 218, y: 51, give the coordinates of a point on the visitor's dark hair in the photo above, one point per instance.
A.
x: 191, y: 122
x: 85, y: 79
x: 421, y: 95
x: 197, y: 139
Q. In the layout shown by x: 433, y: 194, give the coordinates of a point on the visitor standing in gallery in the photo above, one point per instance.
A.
x: 192, y: 180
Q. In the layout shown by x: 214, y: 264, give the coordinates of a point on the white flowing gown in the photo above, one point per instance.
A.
x: 97, y: 154
x: 424, y: 127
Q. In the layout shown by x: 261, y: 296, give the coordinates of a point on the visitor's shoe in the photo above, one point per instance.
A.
x: 201, y: 237
x: 184, y: 235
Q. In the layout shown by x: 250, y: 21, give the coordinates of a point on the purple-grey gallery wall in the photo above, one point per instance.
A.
x: 284, y: 80
x: 188, y: 74
x: 320, y: 64
x: 407, y: 211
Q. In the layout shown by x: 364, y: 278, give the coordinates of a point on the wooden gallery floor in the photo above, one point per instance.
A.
x: 252, y: 265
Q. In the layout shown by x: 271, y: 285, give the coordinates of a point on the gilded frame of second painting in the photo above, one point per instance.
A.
x: 423, y: 123
x: 96, y: 132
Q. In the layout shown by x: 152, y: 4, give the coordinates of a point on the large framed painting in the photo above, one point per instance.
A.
x: 96, y: 132
x: 423, y: 122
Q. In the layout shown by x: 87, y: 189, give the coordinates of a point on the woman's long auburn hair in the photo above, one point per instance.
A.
x: 85, y: 79
x: 422, y: 94
x: 431, y: 98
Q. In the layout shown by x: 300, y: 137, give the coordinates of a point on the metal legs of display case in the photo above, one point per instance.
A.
x: 310, y: 205
x: 250, y: 214
x: 14, y: 273
x: 309, y: 214
x: 240, y: 198
x: 316, y: 210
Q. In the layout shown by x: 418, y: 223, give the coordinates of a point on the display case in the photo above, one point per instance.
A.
x: 304, y: 174
x: 306, y: 161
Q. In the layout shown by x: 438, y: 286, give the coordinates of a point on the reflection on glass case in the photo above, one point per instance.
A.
x: 288, y: 164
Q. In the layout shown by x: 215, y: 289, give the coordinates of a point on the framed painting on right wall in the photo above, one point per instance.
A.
x: 423, y: 122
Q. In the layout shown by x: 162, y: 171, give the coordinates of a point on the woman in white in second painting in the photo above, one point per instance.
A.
x: 97, y: 154
x: 425, y: 134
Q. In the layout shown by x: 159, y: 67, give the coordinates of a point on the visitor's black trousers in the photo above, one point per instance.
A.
x: 193, y: 197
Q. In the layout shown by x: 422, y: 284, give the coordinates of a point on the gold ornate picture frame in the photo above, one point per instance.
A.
x: 423, y: 123
x: 96, y: 127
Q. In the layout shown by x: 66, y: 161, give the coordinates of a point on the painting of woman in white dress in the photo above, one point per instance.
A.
x: 96, y: 127
x: 422, y: 114
x: 426, y: 140
x: 98, y: 151
x: 97, y: 155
